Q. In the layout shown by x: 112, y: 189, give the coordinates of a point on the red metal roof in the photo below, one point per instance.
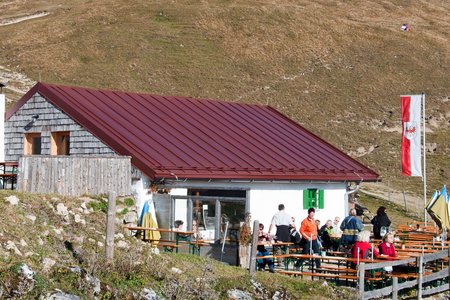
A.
x: 199, y: 138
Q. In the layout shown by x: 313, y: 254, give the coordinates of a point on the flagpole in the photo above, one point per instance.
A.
x: 424, y: 177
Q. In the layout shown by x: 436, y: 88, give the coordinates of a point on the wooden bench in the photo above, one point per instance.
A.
x: 196, y: 246
x: 314, y: 274
x: 405, y: 276
x: 168, y: 247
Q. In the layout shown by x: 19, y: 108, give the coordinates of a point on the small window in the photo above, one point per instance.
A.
x: 32, y: 144
x: 60, y: 144
x: 313, y: 198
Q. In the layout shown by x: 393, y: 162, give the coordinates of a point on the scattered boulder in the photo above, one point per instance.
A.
x: 236, y: 294
x: 62, y: 210
x: 32, y: 218
x: 58, y: 295
x: 148, y: 294
x: 122, y: 245
x: 431, y: 147
x: 13, y: 200
x: 130, y: 217
x: 11, y: 246
x: 25, y: 282
x: 176, y: 270
x: 47, y: 264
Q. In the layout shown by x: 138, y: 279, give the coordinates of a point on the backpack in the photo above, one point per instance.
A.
x: 295, y: 236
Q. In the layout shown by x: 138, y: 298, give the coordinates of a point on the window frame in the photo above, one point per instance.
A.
x: 60, y: 143
x: 30, y: 145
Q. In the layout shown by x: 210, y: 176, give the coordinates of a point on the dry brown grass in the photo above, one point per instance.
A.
x: 336, y: 67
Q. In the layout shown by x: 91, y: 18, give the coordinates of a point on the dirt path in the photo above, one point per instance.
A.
x: 379, y: 190
x: 15, y: 20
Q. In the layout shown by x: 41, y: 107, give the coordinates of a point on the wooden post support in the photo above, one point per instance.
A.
x: 252, y: 267
x: 361, y: 271
x: 110, y: 220
x: 448, y: 267
x: 394, y: 288
x: 420, y: 277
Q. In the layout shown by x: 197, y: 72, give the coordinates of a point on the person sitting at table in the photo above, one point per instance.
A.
x: 179, y: 227
x: 336, y: 233
x: 387, y: 246
x: 262, y: 251
x: 362, y: 248
x: 325, y: 234
x: 295, y: 236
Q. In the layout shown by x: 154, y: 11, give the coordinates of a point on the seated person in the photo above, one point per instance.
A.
x: 325, y: 233
x: 295, y: 236
x: 387, y: 246
x: 179, y: 227
x: 361, y: 249
x: 262, y: 251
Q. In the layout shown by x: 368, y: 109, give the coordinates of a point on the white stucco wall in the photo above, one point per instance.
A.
x: 264, y: 202
x: 265, y: 197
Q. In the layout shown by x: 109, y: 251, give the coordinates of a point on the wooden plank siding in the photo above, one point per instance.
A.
x: 74, y: 175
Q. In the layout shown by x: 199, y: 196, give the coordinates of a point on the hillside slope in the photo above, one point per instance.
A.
x: 336, y: 67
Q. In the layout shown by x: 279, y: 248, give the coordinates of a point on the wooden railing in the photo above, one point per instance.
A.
x: 437, y: 277
x: 74, y: 175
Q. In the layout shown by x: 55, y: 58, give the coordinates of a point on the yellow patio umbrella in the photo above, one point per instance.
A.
x: 149, y: 222
x: 439, y: 210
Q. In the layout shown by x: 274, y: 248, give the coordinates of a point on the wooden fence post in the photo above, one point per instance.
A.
x: 252, y: 265
x: 361, y: 271
x: 420, y: 277
x: 394, y: 288
x: 110, y: 221
x: 448, y: 255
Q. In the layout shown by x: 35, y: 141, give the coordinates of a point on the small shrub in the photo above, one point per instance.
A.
x: 128, y: 202
x: 101, y: 205
x: 123, y: 212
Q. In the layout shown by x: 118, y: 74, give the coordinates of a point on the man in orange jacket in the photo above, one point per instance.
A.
x: 308, y: 230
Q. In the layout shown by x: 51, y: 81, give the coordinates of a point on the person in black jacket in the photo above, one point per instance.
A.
x: 379, y: 221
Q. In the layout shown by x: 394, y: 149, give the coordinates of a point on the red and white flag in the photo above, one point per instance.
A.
x: 411, y: 146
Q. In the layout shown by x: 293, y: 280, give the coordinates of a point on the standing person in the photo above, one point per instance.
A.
x: 281, y: 220
x: 308, y: 231
x: 262, y: 251
x: 379, y: 221
x: 350, y: 227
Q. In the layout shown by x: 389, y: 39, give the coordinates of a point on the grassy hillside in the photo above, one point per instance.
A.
x: 336, y: 67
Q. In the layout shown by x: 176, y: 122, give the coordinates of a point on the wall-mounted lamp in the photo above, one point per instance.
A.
x: 30, y: 124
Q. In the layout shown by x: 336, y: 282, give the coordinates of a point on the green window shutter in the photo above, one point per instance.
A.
x: 306, y: 199
x: 321, y: 199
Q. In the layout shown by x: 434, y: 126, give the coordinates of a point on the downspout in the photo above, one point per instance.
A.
x: 2, y: 123
x: 358, y: 183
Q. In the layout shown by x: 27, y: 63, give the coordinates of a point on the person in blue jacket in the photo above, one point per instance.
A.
x: 350, y: 226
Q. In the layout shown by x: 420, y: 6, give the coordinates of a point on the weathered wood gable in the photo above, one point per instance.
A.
x: 51, y: 119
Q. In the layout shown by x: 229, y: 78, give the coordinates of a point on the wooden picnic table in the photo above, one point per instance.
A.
x: 179, y: 234
x: 275, y: 245
x: 8, y: 173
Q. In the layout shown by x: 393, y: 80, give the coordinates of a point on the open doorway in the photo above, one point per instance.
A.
x: 218, y: 213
